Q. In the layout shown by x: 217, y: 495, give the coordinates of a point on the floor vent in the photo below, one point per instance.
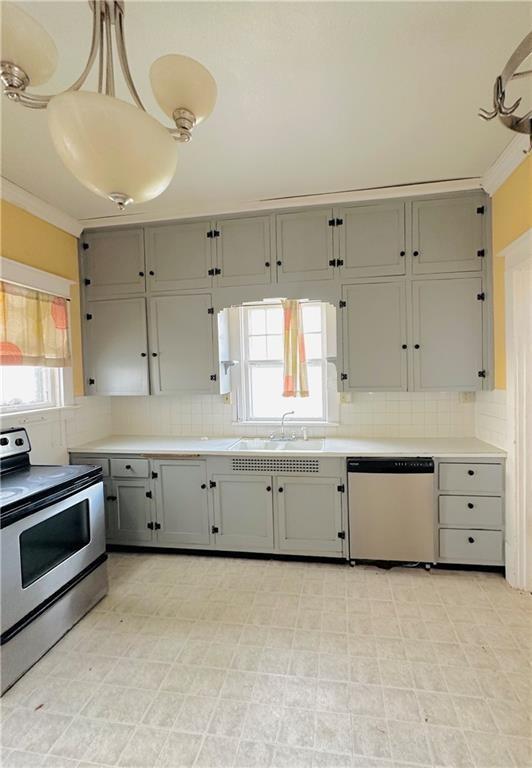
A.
x: 264, y: 464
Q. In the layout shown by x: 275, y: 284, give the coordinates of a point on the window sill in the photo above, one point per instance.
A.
x: 288, y: 425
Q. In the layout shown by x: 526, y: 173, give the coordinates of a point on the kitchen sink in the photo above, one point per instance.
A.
x: 287, y: 446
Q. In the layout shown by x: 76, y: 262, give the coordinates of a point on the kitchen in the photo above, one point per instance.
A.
x: 284, y: 512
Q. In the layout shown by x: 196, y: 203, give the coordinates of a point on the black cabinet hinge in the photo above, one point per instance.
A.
x: 150, y: 526
x: 481, y: 253
x: 332, y: 262
x: 332, y: 222
x: 217, y: 271
x: 213, y: 377
x: 343, y: 376
x: 210, y: 272
x: 87, y: 281
x: 210, y: 233
x: 339, y: 262
x: 340, y: 488
x: 212, y: 484
x: 92, y: 381
x: 85, y: 246
x: 339, y: 222
x: 481, y: 296
x: 214, y: 529
x: 88, y: 316
x: 154, y: 475
x: 341, y: 534
x: 157, y: 526
x: 342, y: 304
x: 149, y: 495
x: 481, y: 210
x: 482, y: 374
x: 210, y: 311
x: 216, y: 233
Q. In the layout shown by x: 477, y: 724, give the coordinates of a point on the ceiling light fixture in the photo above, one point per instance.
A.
x: 113, y: 147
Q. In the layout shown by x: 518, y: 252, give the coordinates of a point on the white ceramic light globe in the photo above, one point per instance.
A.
x: 179, y: 82
x: 26, y: 44
x: 110, y: 146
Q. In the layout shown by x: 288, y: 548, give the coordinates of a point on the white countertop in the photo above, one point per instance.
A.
x: 332, y: 447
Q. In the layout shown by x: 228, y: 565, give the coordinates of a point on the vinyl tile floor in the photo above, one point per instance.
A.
x: 214, y: 662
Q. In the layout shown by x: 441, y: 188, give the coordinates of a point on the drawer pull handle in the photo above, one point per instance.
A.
x: 471, y: 540
x: 470, y: 505
x: 128, y: 466
x: 470, y: 472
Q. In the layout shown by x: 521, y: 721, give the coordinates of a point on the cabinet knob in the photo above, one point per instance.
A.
x: 470, y: 472
x: 203, y: 486
x: 471, y: 540
x: 151, y: 272
x: 416, y: 346
x: 416, y: 253
x: 279, y: 263
x: 141, y: 274
x: 266, y: 263
x: 470, y: 505
x: 281, y: 490
x: 128, y: 466
x: 402, y: 253
x: 404, y: 346
x: 154, y: 354
x: 268, y: 488
x: 143, y: 354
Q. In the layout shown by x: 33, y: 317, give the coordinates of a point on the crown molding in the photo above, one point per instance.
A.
x: 20, y: 197
x: 306, y: 201
x: 509, y: 159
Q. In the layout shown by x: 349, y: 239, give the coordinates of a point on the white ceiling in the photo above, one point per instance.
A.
x: 313, y: 97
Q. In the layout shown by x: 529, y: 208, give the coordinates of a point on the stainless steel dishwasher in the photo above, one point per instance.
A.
x: 391, y: 509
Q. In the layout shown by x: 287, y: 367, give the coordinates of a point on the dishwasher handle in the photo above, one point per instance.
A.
x: 391, y: 466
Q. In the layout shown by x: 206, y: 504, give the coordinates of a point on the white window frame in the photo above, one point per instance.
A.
x: 240, y: 382
x: 54, y: 388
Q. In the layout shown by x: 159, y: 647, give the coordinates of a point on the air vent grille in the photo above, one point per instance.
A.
x: 264, y: 464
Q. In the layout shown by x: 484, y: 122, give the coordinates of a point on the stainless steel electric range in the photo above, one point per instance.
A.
x: 53, y: 560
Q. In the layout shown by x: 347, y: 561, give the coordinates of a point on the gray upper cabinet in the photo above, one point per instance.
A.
x: 179, y: 256
x: 182, y: 506
x: 243, y: 251
x: 447, y: 235
x: 116, y: 347
x: 371, y: 239
x: 309, y: 515
x: 375, y: 350
x: 305, y: 246
x: 243, y: 512
x: 133, y: 512
x: 447, y: 334
x: 181, y: 344
x: 113, y: 263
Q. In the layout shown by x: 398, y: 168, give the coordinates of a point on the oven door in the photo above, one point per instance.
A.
x: 42, y: 552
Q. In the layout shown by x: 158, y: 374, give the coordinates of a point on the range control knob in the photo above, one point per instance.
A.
x: 4, y: 441
x: 19, y: 441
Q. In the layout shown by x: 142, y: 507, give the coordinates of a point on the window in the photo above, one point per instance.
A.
x: 260, y: 385
x: 26, y: 387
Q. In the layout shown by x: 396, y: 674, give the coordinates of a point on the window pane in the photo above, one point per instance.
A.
x: 275, y: 348
x: 313, y: 345
x: 257, y: 348
x: 267, y: 402
x: 274, y: 320
x: 24, y: 385
x: 256, y: 320
x: 311, y: 318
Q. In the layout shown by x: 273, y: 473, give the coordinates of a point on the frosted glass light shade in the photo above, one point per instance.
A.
x: 26, y: 44
x: 179, y: 82
x: 110, y: 146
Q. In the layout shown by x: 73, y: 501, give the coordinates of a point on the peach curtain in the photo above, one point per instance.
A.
x: 33, y: 328
x: 295, y: 375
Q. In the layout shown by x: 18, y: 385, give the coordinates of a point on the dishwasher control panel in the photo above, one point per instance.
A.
x: 379, y: 465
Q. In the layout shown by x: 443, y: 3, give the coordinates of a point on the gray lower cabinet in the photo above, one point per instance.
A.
x: 447, y: 234
x: 309, y: 514
x: 305, y: 249
x: 182, y: 344
x: 371, y: 239
x: 447, y: 334
x: 375, y: 354
x: 133, y: 513
x: 243, y: 512
x: 113, y: 263
x: 179, y: 256
x: 243, y: 251
x: 116, y: 347
x: 181, y: 499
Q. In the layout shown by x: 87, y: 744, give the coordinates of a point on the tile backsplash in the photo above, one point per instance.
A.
x: 490, y: 417
x: 401, y: 414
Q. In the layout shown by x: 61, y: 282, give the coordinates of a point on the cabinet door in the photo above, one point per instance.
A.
x: 374, y: 337
x: 305, y: 246
x: 447, y: 235
x: 243, y: 251
x: 371, y: 239
x: 113, y: 263
x: 243, y: 512
x: 447, y: 327
x: 181, y: 342
x: 182, y: 504
x: 116, y: 347
x: 309, y: 513
x: 133, y: 511
x: 179, y: 256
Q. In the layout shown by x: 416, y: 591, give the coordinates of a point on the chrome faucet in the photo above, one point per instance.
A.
x: 281, y: 435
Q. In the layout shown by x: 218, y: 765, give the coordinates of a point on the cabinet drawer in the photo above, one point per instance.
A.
x: 471, y: 511
x: 95, y: 460
x: 130, y: 467
x: 471, y: 546
x: 471, y: 477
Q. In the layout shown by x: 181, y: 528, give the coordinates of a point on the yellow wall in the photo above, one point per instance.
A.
x: 34, y: 242
x: 511, y: 216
